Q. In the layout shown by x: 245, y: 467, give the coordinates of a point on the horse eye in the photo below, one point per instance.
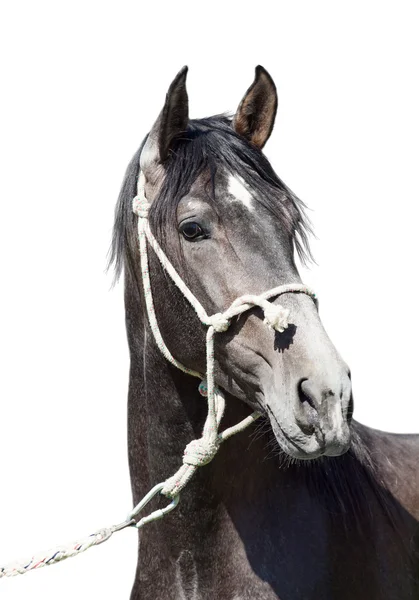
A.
x: 191, y: 231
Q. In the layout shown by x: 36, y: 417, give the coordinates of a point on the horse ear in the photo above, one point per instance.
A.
x: 173, y: 119
x: 255, y: 116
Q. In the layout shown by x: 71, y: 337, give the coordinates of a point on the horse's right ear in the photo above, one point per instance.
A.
x: 173, y: 119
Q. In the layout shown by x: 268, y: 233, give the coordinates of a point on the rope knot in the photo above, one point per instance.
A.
x: 276, y: 316
x: 200, y: 452
x: 141, y: 206
x: 219, y: 322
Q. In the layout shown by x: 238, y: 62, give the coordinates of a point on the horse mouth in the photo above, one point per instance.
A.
x: 303, y: 445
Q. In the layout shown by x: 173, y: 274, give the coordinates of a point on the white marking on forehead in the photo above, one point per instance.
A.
x: 238, y: 189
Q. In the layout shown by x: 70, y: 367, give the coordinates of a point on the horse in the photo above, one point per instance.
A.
x: 307, y: 503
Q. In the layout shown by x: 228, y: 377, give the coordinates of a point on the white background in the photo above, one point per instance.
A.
x: 82, y: 82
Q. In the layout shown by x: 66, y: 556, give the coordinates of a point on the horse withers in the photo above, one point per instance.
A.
x: 333, y: 513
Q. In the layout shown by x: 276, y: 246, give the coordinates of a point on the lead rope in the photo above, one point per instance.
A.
x: 50, y: 557
x: 198, y: 452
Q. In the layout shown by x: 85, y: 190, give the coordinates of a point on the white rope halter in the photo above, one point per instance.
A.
x: 198, y: 452
x: 201, y: 451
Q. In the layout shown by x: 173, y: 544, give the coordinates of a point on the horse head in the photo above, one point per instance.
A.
x: 231, y: 227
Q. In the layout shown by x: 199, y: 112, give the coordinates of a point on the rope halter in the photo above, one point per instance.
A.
x: 198, y: 452
x: 201, y: 451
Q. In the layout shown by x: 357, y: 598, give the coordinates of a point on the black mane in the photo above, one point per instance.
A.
x: 207, y: 145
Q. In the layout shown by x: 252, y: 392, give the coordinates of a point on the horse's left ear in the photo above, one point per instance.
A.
x: 256, y: 114
x: 174, y: 117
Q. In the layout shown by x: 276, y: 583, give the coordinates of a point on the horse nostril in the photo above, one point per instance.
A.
x: 308, y: 417
x: 304, y: 394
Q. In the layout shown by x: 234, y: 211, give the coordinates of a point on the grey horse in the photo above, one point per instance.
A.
x: 332, y: 513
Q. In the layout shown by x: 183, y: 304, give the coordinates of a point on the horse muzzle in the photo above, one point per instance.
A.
x: 315, y: 420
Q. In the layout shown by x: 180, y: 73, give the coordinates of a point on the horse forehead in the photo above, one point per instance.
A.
x: 230, y: 189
